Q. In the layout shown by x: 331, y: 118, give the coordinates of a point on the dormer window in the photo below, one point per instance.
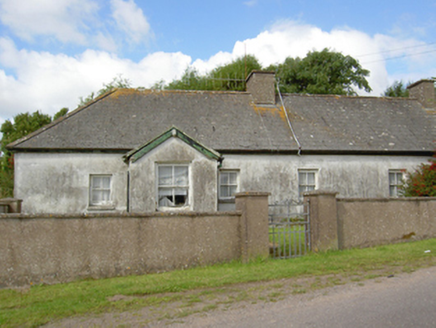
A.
x: 173, y: 185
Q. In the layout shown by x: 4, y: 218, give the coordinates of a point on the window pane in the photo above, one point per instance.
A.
x: 311, y: 178
x: 232, y: 178
x: 181, y: 175
x: 224, y: 178
x: 106, y: 182
x: 224, y: 191
x: 96, y: 197
x: 96, y: 182
x: 302, y: 178
x: 180, y: 191
x: 165, y: 175
x: 180, y: 196
x: 100, y: 190
x: 228, y: 184
x: 392, y: 178
x: 165, y: 191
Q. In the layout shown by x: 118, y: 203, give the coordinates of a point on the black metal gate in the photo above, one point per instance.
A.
x: 289, y: 229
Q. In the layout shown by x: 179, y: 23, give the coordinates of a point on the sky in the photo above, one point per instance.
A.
x: 52, y: 52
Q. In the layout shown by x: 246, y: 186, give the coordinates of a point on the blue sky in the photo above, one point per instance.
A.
x: 54, y: 51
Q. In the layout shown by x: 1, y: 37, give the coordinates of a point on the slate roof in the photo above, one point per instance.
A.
x: 230, y: 122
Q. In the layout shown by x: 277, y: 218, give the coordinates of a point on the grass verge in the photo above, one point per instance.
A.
x: 37, y: 305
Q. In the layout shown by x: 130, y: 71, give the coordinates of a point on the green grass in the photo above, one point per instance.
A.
x: 287, y: 240
x: 41, y: 304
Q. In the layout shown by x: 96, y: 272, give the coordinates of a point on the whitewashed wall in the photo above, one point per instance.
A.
x: 351, y: 176
x: 59, y: 182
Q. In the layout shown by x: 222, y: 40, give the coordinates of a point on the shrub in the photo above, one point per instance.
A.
x: 422, y: 182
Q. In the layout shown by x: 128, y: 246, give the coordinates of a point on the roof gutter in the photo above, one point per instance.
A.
x: 288, y: 120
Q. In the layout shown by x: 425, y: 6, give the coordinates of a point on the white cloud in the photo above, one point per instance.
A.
x: 130, y: 18
x: 65, y: 20
x: 77, y: 22
x: 293, y: 39
x: 47, y: 82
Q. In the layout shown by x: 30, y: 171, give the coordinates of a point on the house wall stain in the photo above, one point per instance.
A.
x: 351, y: 176
x: 202, y: 171
x: 59, y: 182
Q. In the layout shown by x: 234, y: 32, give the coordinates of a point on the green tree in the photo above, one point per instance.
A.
x: 22, y: 125
x: 397, y: 89
x: 227, y: 77
x: 322, y: 72
x: 422, y: 182
x: 117, y: 82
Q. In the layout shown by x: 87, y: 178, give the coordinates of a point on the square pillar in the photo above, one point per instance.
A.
x: 323, y: 220
x: 254, y: 231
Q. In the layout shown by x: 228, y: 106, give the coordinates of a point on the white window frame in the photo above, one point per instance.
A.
x: 305, y: 184
x: 229, y: 185
x: 395, y: 186
x: 173, y: 186
x: 93, y: 188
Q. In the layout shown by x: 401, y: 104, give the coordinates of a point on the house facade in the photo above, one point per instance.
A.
x: 151, y: 150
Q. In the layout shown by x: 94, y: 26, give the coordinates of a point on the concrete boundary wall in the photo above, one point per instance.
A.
x: 341, y: 223
x: 50, y: 249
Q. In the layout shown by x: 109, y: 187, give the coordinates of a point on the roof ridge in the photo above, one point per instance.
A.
x: 192, y: 91
x: 309, y: 95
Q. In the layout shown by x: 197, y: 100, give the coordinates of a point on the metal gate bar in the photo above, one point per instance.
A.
x: 289, y: 229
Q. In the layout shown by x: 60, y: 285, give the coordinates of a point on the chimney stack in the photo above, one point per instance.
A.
x: 424, y: 92
x: 261, y: 85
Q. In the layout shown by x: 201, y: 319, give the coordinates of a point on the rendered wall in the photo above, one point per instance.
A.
x: 340, y: 223
x: 368, y: 222
x: 59, y: 182
x: 38, y: 249
x: 351, y: 176
x: 58, y: 249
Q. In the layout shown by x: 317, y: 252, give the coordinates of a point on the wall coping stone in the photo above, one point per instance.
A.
x: 320, y: 192
x: 386, y: 199
x: 252, y: 194
x: 115, y: 215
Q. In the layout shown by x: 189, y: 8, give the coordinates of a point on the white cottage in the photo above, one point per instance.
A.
x: 150, y: 150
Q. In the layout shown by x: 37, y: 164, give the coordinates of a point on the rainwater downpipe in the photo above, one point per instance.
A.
x: 289, y: 121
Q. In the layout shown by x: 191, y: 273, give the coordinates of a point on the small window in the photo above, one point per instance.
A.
x: 395, y: 182
x: 228, y: 185
x: 173, y: 185
x: 100, y: 190
x: 306, y: 181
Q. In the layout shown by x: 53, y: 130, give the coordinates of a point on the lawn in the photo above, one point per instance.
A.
x: 36, y: 305
x: 288, y: 240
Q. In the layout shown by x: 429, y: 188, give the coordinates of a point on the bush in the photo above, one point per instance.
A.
x: 422, y: 182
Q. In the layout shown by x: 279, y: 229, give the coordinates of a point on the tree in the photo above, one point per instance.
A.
x: 422, y: 182
x: 322, y: 72
x: 227, y: 77
x: 397, y: 89
x: 22, y: 125
x: 117, y: 83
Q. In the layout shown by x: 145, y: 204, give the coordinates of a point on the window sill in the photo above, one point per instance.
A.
x: 173, y: 209
x: 95, y: 208
x: 226, y: 200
